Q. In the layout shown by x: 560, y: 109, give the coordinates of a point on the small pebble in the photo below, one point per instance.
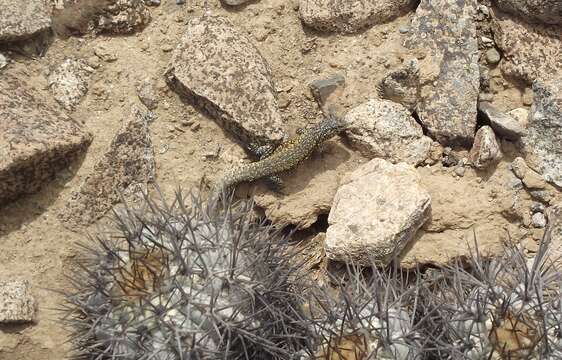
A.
x: 493, y: 56
x: 537, y: 207
x: 516, y: 184
x: 538, y: 220
x: 404, y: 29
x: 180, y: 2
x: 459, y: 170
x: 195, y: 127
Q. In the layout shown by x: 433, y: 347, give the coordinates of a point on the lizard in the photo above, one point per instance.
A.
x: 286, y: 156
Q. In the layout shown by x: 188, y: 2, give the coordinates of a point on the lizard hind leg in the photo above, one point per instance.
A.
x: 261, y: 151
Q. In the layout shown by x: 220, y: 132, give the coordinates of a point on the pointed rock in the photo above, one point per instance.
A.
x: 127, y: 166
x: 485, y: 151
x: 218, y: 68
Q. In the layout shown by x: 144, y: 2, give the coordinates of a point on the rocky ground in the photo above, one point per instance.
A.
x: 454, y: 112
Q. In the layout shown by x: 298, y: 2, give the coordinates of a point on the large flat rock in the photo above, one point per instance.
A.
x: 36, y: 141
x: 445, y: 30
x: 21, y: 19
x: 219, y: 68
x: 529, y: 51
x: 376, y: 213
x: 350, y: 15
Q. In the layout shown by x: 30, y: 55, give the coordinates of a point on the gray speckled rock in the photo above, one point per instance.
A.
x: 350, y: 15
x: 530, y: 51
x: 503, y: 124
x: 22, y: 19
x: 547, y: 11
x: 450, y: 75
x: 69, y: 82
x: 485, y: 151
x: 543, y: 144
x: 385, y: 129
x: 126, y: 167
x: 17, y: 305
x: 218, y: 68
x: 36, y: 141
x: 376, y: 213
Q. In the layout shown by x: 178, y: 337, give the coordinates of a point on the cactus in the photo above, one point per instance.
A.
x: 373, y: 315
x: 503, y: 308
x: 205, y: 281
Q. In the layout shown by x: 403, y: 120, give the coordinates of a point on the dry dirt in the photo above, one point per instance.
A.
x: 34, y: 245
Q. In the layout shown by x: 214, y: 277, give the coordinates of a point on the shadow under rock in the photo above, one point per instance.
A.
x: 15, y: 214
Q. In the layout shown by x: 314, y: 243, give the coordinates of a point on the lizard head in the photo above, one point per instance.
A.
x: 329, y: 127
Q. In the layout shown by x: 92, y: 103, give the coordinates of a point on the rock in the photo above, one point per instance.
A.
x: 449, y: 74
x: 17, y: 305
x: 538, y: 220
x: 36, y: 141
x: 519, y: 167
x: 485, y: 151
x: 503, y: 124
x: 3, y: 61
x: 492, y: 56
x: 402, y: 85
x: 543, y: 144
x: 519, y: 41
x: 350, y: 16
x: 322, y: 88
x: 546, y: 11
x: 521, y: 115
x: 449, y: 158
x: 459, y: 170
x: 152, y: 2
x: 101, y: 16
x: 147, y: 94
x: 376, y: 212
x: 22, y: 19
x: 537, y: 207
x: 69, y: 82
x: 105, y: 53
x: 227, y: 76
x: 385, y: 129
x: 125, y: 168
